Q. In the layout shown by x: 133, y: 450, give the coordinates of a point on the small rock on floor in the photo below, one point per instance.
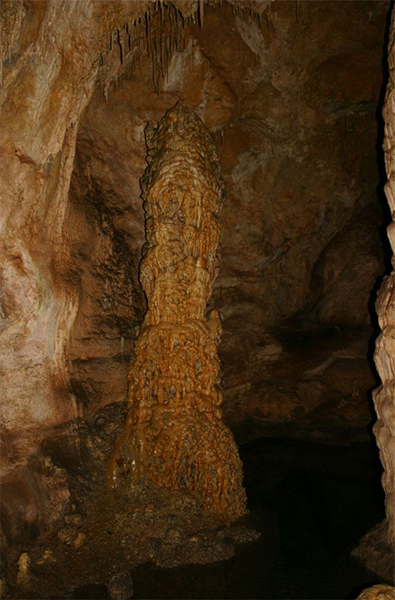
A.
x: 120, y: 586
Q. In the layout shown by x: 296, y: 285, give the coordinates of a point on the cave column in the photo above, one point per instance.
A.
x: 384, y: 396
x: 174, y: 434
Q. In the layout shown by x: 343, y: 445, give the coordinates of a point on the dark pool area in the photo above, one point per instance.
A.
x: 311, y: 502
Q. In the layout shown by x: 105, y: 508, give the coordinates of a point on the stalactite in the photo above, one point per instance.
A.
x: 174, y: 433
x: 1, y: 61
x: 140, y: 49
x: 200, y: 13
x: 121, y: 52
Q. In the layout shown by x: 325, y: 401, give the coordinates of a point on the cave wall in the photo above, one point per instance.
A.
x: 300, y: 239
x: 49, y: 53
x: 291, y: 99
x: 40, y: 112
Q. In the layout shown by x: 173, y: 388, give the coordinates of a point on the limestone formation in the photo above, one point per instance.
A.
x: 378, y: 592
x: 384, y: 396
x: 174, y: 434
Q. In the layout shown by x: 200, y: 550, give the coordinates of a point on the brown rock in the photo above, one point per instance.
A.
x: 120, y: 586
x: 67, y: 535
x: 79, y: 540
x: 47, y: 557
x: 24, y: 574
x: 73, y: 519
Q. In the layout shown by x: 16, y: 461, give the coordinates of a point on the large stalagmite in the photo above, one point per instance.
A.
x: 174, y: 433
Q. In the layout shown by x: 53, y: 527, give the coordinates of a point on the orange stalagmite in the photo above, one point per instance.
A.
x: 174, y: 433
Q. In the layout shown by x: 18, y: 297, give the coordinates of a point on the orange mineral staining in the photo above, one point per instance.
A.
x: 174, y: 434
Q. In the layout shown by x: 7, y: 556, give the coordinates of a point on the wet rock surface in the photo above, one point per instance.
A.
x: 317, y: 385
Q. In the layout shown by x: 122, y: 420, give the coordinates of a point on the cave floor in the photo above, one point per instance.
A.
x: 310, y: 501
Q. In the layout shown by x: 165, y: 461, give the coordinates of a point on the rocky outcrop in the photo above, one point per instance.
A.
x: 349, y: 262
x: 174, y: 433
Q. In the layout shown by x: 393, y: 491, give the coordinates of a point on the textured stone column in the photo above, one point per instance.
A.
x: 174, y: 434
x: 378, y: 592
x: 384, y: 396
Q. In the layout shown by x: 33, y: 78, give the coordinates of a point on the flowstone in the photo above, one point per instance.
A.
x: 174, y: 434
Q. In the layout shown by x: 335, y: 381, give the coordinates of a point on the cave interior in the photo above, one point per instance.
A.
x: 292, y: 93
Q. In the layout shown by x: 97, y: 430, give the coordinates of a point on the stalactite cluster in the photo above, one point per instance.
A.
x: 163, y: 34
x: 158, y: 33
x: 174, y: 433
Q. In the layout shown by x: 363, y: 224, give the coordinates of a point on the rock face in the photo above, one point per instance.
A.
x: 40, y: 111
x: 384, y: 396
x: 174, y: 432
